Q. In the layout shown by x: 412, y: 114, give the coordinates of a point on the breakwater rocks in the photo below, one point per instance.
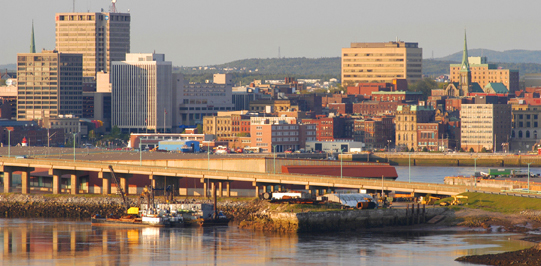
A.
x: 346, y: 220
x: 260, y: 215
x: 47, y: 206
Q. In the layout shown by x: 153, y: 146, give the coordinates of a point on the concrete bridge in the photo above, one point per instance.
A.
x: 216, y: 178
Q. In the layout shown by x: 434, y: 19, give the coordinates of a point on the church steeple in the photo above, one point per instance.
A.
x: 32, y: 43
x: 464, y: 73
x: 465, y: 63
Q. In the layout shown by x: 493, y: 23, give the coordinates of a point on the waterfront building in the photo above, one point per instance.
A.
x: 430, y: 137
x: 49, y: 85
x: 280, y: 134
x: 374, y: 132
x: 526, y: 124
x: 485, y: 126
x: 407, y: 119
x: 329, y: 128
x: 335, y: 146
x: 227, y: 124
x: 194, y: 101
x: 151, y: 140
x: 101, y: 37
x: 381, y: 62
x: 142, y: 94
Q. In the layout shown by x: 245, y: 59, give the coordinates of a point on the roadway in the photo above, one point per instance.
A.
x: 257, y: 178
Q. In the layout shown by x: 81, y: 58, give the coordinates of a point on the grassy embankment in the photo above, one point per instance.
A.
x: 497, y: 203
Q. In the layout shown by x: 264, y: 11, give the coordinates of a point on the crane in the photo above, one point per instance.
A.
x: 126, y: 203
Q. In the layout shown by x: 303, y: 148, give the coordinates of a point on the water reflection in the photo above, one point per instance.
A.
x: 57, y: 242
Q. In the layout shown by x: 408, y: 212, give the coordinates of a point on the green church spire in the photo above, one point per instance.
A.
x: 465, y: 63
x: 32, y: 43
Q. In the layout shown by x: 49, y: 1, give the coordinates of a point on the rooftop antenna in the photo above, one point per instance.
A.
x: 113, y: 8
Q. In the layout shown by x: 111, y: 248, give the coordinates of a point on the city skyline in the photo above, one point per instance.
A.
x: 215, y: 32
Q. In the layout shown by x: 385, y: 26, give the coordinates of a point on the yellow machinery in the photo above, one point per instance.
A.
x: 430, y: 200
x: 456, y: 200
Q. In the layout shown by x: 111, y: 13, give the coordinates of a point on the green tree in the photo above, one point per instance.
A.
x: 412, y: 150
x: 91, y: 135
x: 484, y: 149
x: 471, y: 150
x: 425, y: 149
x: 424, y: 86
x: 115, y: 132
x: 199, y: 128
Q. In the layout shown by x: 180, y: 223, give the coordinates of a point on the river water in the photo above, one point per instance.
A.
x: 436, y: 174
x: 63, y: 242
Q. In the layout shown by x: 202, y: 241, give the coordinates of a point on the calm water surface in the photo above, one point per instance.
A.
x: 436, y: 174
x: 60, y: 242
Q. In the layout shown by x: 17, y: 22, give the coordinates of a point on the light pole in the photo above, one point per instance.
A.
x: 474, y: 171
x: 9, y: 143
x: 74, y: 134
x: 341, y: 163
x: 529, y: 177
x: 409, y: 167
x: 140, y: 154
x: 274, y: 153
x: 208, y: 158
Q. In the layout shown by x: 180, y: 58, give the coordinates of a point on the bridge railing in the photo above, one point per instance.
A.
x: 225, y: 174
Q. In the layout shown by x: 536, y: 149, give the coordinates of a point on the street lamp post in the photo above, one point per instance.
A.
x: 74, y: 134
x: 529, y: 177
x: 208, y: 158
x: 409, y: 167
x: 140, y: 154
x: 9, y: 143
x: 274, y: 152
x: 341, y: 163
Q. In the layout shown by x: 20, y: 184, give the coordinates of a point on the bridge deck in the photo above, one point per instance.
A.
x: 256, y: 177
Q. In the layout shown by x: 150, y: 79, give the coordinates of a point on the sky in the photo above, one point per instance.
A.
x: 208, y: 32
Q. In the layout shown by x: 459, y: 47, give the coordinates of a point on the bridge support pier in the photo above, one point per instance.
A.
x: 56, y: 184
x: 220, y: 190
x: 7, y: 181
x: 25, y: 180
x: 8, y: 176
x: 228, y: 189
x: 205, y: 193
x: 74, y: 179
x: 256, y: 191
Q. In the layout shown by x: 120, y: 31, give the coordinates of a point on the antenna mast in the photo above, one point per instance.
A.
x: 113, y: 7
x: 73, y: 10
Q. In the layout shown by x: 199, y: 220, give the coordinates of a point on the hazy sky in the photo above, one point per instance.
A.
x: 205, y: 32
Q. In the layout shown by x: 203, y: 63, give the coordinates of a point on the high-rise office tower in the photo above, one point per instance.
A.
x: 381, y: 62
x: 49, y: 85
x: 100, y: 37
x: 141, y: 94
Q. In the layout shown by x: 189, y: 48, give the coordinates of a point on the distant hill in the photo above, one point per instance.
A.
x: 509, y: 56
x: 291, y: 66
x: 435, y: 67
